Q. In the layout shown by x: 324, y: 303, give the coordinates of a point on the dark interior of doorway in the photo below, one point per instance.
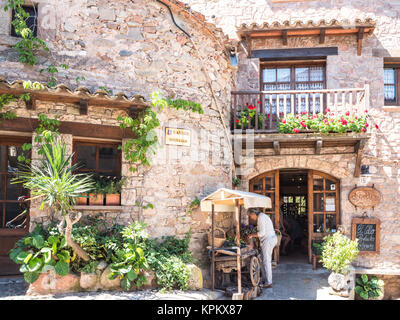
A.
x: 293, y: 190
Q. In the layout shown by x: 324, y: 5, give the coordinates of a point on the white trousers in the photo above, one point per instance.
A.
x: 267, y: 246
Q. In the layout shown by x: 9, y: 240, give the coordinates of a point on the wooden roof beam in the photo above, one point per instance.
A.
x: 358, y: 149
x: 360, y: 36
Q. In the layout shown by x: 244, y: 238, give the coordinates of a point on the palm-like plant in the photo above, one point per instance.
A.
x: 53, y: 181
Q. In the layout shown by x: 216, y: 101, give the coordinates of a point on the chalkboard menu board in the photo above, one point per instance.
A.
x: 367, y: 231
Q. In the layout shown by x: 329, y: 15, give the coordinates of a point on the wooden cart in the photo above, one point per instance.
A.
x: 239, y: 259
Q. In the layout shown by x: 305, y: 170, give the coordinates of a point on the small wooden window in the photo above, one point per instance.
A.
x: 391, y: 85
x: 31, y: 21
x: 100, y: 158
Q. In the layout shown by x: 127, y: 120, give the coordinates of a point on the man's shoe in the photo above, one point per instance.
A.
x: 265, y: 285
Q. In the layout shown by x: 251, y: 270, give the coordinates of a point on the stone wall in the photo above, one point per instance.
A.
x: 345, y: 70
x: 133, y: 47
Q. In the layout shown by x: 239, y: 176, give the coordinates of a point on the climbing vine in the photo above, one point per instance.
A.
x: 137, y: 150
x: 29, y: 44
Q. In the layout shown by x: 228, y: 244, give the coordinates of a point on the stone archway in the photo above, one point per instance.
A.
x: 320, y: 196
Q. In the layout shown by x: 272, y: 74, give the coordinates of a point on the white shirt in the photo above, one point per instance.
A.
x: 265, y: 226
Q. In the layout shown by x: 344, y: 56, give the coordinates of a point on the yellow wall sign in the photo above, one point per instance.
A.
x: 177, y: 137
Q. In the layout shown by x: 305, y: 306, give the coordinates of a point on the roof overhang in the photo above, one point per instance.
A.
x: 80, y: 96
x: 320, y: 29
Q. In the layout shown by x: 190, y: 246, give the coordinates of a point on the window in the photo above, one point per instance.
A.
x: 13, y: 211
x: 293, y: 77
x: 391, y: 85
x: 101, y: 158
x: 31, y: 22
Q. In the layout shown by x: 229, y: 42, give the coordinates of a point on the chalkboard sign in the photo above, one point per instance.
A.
x: 367, y: 231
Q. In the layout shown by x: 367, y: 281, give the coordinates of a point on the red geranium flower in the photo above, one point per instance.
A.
x: 328, y: 110
x: 347, y: 113
x: 366, y: 125
x: 295, y: 130
x: 344, y: 122
x: 366, y: 111
x: 237, y: 120
x: 363, y: 129
x: 258, y: 102
x: 283, y: 120
x: 376, y: 126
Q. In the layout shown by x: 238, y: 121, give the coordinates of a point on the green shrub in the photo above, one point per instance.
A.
x: 41, y: 251
x: 369, y: 288
x: 338, y: 251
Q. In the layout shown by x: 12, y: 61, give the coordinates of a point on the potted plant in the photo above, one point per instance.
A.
x: 369, y: 288
x: 97, y: 196
x: 113, y: 190
x: 338, y: 252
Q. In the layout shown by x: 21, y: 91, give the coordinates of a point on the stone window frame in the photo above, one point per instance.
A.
x: 98, y: 144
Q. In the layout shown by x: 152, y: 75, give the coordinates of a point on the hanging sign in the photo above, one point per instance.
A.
x: 177, y: 137
x: 365, y: 197
x: 367, y: 231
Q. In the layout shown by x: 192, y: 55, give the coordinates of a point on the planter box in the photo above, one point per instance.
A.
x: 96, y: 199
x: 82, y: 201
x: 113, y: 199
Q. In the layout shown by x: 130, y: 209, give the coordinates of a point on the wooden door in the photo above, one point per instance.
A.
x: 14, y: 212
x: 323, y: 207
x: 267, y: 184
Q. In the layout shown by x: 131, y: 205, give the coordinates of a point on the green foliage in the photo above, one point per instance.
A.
x: 107, y: 184
x: 129, y: 259
x: 41, y: 251
x: 138, y: 149
x: 338, y: 252
x: 194, y: 204
x: 5, y: 99
x: 29, y: 44
x: 369, y: 288
x: 52, y: 179
x: 168, y: 257
x: 236, y: 182
x: 323, y: 123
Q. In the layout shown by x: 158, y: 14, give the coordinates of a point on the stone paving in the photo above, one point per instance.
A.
x: 292, y: 281
x: 14, y: 288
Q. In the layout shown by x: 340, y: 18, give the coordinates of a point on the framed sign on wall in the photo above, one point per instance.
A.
x: 367, y: 231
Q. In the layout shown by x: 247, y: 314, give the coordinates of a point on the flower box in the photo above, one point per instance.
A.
x: 113, y: 199
x: 82, y: 201
x: 96, y: 199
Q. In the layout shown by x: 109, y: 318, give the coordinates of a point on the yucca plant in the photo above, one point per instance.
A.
x: 52, y: 180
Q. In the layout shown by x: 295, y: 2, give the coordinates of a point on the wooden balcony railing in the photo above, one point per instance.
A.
x: 296, y: 102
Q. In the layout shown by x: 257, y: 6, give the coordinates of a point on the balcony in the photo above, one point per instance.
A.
x: 264, y: 134
x: 264, y: 105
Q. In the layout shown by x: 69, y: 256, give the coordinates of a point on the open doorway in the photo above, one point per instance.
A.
x: 310, y: 198
x: 293, y: 188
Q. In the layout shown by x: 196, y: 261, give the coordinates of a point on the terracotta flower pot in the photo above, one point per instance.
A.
x: 81, y: 201
x: 113, y: 199
x: 96, y: 200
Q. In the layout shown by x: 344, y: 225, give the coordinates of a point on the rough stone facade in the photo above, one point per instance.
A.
x: 345, y: 70
x: 134, y: 47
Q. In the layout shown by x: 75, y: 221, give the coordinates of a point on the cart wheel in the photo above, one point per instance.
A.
x: 255, y: 271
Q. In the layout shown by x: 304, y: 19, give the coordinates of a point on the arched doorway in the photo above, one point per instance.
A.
x: 311, y: 202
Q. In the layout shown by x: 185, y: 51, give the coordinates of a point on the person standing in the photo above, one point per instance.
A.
x: 268, y: 241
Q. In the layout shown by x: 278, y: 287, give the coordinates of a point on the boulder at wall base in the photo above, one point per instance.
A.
x: 341, y: 285
x: 151, y: 281
x: 51, y: 283
x: 195, y: 278
x: 108, y: 284
x: 90, y: 281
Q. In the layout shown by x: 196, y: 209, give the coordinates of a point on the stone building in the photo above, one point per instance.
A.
x: 306, y: 55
